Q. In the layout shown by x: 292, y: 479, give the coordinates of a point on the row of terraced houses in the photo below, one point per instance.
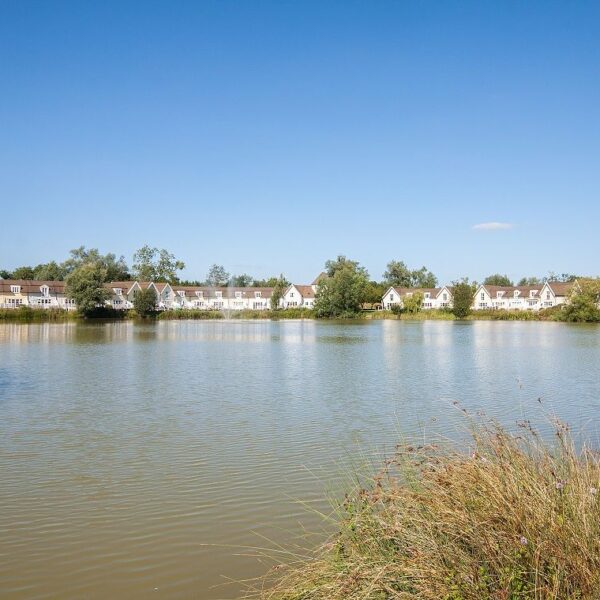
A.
x: 51, y: 294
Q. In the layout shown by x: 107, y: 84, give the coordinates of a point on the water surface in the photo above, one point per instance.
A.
x: 139, y: 460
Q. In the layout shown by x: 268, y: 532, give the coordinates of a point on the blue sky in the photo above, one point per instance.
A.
x: 271, y: 136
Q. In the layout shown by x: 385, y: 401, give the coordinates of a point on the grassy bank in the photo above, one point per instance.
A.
x: 288, y: 313
x: 26, y: 314
x: 511, y: 518
x: 423, y: 315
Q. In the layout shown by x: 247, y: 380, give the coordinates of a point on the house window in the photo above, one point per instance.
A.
x: 45, y: 290
x: 547, y: 295
x: 118, y: 291
x: 291, y: 294
x: 391, y: 297
x: 445, y: 297
x: 516, y: 294
x: 15, y: 289
x: 427, y: 295
x: 218, y: 294
x: 482, y: 297
x: 258, y: 294
x: 238, y: 294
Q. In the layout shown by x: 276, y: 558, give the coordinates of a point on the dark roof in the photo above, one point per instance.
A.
x: 561, y: 289
x: 32, y: 286
x: 307, y: 291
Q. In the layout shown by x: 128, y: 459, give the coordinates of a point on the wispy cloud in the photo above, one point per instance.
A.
x: 492, y: 226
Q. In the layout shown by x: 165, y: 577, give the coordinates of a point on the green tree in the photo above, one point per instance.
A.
x: 342, y: 292
x: 85, y: 285
x: 423, y: 278
x: 145, y: 302
x: 51, y: 271
x: 23, y: 273
x: 374, y: 292
x: 217, y: 276
x: 270, y: 282
x: 562, y: 277
x: 463, y: 294
x: 116, y: 268
x: 413, y: 303
x: 498, y: 279
x: 530, y: 281
x: 583, y: 304
x: 152, y: 264
x: 281, y: 284
x: 4, y: 274
x: 399, y: 275
x: 243, y: 280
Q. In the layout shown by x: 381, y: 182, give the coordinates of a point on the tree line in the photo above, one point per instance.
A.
x: 343, y: 291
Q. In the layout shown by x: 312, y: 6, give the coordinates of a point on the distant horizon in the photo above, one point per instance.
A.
x: 270, y: 137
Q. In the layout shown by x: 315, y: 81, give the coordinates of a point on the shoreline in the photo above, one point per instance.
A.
x: 36, y: 315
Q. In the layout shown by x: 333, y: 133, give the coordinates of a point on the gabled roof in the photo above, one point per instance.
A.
x: 306, y: 291
x: 124, y: 285
x: 560, y: 288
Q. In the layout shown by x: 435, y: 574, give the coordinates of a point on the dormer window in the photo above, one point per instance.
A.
x: 200, y: 294
x: 238, y: 294
x: 45, y: 290
x: 533, y: 293
x: 499, y: 294
x: 118, y: 291
x: 218, y: 294
x: 181, y: 293
x: 258, y: 294
x: 15, y: 289
x: 516, y: 293
x: 427, y: 295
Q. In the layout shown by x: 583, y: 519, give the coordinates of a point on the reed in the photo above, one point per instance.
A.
x: 513, y: 517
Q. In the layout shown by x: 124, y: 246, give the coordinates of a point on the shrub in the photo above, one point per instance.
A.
x: 397, y: 309
x: 513, y: 518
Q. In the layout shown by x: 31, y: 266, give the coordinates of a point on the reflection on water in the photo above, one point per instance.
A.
x: 139, y: 459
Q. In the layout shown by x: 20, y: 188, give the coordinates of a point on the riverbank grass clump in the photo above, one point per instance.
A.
x: 512, y: 518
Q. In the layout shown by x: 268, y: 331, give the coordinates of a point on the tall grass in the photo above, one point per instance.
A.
x: 28, y: 314
x: 512, y: 518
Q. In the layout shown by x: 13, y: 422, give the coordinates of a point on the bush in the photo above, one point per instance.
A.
x: 513, y: 518
x: 145, y: 302
x: 397, y: 309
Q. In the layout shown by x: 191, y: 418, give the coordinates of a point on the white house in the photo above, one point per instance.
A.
x: 301, y: 296
x: 554, y: 293
x: 499, y: 297
x: 34, y: 293
x: 221, y: 298
x: 122, y: 294
x: 433, y: 298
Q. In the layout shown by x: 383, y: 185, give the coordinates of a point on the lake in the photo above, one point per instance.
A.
x: 146, y: 460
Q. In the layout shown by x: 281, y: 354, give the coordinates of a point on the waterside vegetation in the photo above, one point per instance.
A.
x: 507, y: 516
